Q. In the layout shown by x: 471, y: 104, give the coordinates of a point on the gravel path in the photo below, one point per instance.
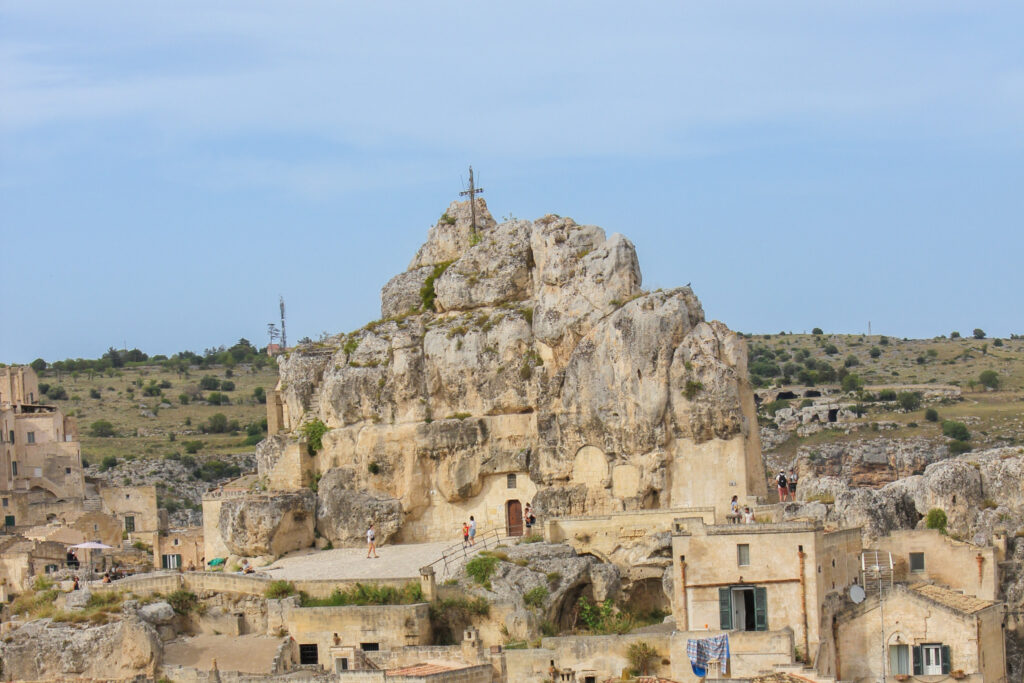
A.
x: 396, y: 562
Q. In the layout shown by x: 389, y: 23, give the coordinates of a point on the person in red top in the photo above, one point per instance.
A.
x: 465, y: 533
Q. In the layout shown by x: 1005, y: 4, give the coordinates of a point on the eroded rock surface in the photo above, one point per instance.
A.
x: 527, y: 348
x: 271, y: 524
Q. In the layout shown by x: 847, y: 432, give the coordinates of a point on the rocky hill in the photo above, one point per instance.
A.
x: 531, y: 348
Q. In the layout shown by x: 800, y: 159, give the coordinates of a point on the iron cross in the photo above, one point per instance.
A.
x: 472, y: 192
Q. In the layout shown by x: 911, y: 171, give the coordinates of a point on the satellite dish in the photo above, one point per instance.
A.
x: 856, y: 594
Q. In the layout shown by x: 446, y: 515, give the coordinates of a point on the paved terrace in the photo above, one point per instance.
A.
x: 396, y: 562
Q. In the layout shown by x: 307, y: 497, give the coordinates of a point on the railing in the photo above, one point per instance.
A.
x: 457, y: 554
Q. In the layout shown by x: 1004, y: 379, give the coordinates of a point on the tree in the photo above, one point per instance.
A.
x: 217, y: 423
x: 851, y: 361
x: 990, y: 379
x: 979, y: 333
x: 114, y: 356
x: 956, y: 430
x: 260, y: 395
x: 852, y: 383
x: 875, y: 352
x: 909, y: 400
x: 101, y: 428
x: 107, y: 463
x: 817, y: 331
x: 831, y: 349
x: 38, y: 365
x: 58, y: 393
x: 931, y: 415
x: 640, y: 655
x: 209, y: 383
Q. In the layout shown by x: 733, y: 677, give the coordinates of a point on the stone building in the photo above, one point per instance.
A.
x: 927, y: 631
x: 40, y: 457
x: 761, y: 577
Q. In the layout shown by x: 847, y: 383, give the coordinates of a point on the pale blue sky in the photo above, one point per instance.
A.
x: 167, y: 169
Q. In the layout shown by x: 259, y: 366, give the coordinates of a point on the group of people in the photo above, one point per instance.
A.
x: 787, y: 485
x: 737, y: 516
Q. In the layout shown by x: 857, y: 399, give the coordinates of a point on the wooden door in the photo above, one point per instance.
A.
x: 514, y: 518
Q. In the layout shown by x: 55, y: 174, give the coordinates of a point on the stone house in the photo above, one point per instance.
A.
x: 21, y: 559
x: 927, y: 630
x: 179, y: 549
x: 40, y: 457
x: 926, y: 555
x: 761, y: 577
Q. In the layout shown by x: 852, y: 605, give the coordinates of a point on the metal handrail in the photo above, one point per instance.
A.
x: 458, y: 553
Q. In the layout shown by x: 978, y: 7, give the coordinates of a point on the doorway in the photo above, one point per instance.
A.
x: 932, y: 660
x: 743, y: 613
x: 513, y: 518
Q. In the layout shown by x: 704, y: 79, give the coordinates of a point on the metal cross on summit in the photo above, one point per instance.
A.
x: 472, y: 192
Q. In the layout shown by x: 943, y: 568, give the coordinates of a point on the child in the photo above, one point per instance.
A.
x: 465, y: 533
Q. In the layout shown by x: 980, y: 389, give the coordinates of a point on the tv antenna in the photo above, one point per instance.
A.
x: 877, y: 572
x: 284, y: 339
x: 472, y: 192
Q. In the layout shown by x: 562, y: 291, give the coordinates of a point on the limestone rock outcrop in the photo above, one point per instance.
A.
x: 270, y: 524
x: 525, y: 349
x: 46, y: 650
x: 344, y: 512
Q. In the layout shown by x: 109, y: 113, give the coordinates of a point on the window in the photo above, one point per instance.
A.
x: 129, y: 523
x: 742, y: 554
x: 31, y: 436
x: 369, y: 647
x: 176, y: 541
x: 172, y: 561
x: 899, y: 659
x: 743, y: 608
x: 308, y: 654
x: 917, y: 562
x: 6, y: 502
x: 931, y: 659
x: 9, y: 520
x: 12, y: 436
x: 510, y: 481
x: 14, y: 469
x: 67, y: 470
x: 341, y: 664
x: 37, y: 471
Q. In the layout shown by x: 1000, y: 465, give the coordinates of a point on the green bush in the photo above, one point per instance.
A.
x: 775, y: 406
x: 94, y: 393
x: 931, y: 415
x: 227, y: 385
x: 936, y: 519
x: 875, y: 352
x: 368, y: 594
x: 279, y: 589
x: 990, y: 379
x: 58, y: 393
x: 817, y: 331
x: 314, y: 432
x: 851, y: 361
x: 536, y: 597
x: 183, y: 601
x: 217, y: 423
x: 954, y: 335
x: 956, y: 430
x: 183, y: 399
x: 887, y: 395
x: 260, y: 394
x: 603, y: 618
x: 192, y: 446
x: 640, y: 655
x: 101, y: 428
x: 831, y: 349
x: 209, y: 383
x: 216, y: 398
x: 957, y: 447
x: 427, y: 294
x: 979, y: 333
x: 997, y: 342
x: 692, y: 389
x: 481, y: 568
x: 108, y: 463
x: 909, y: 400
x: 852, y: 383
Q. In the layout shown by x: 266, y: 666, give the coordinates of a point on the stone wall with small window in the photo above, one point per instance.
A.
x: 927, y: 555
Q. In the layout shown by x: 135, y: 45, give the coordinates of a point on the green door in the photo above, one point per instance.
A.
x: 9, y: 520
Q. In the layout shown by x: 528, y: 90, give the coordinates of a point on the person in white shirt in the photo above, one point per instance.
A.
x: 371, y: 542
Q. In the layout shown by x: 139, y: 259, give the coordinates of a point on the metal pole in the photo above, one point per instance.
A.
x: 472, y: 199
x: 881, y: 613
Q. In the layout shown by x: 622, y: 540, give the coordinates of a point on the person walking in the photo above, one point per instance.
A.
x: 792, y: 484
x: 371, y: 542
x: 472, y: 530
x: 465, y: 534
x: 783, y: 484
x: 528, y: 519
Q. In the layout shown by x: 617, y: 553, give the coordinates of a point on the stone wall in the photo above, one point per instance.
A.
x: 389, y: 626
x: 602, y: 535
x: 961, y: 566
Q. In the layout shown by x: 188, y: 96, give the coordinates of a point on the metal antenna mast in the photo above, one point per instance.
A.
x: 472, y: 192
x: 284, y: 339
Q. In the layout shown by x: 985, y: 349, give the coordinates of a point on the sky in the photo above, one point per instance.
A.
x: 168, y: 170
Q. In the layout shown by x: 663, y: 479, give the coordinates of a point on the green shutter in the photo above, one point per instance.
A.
x: 725, y: 608
x: 760, y: 609
x: 918, y: 660
x: 945, y: 659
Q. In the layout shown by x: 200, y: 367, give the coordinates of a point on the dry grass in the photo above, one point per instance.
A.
x: 141, y: 436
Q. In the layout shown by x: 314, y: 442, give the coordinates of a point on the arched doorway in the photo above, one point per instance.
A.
x: 513, y: 518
